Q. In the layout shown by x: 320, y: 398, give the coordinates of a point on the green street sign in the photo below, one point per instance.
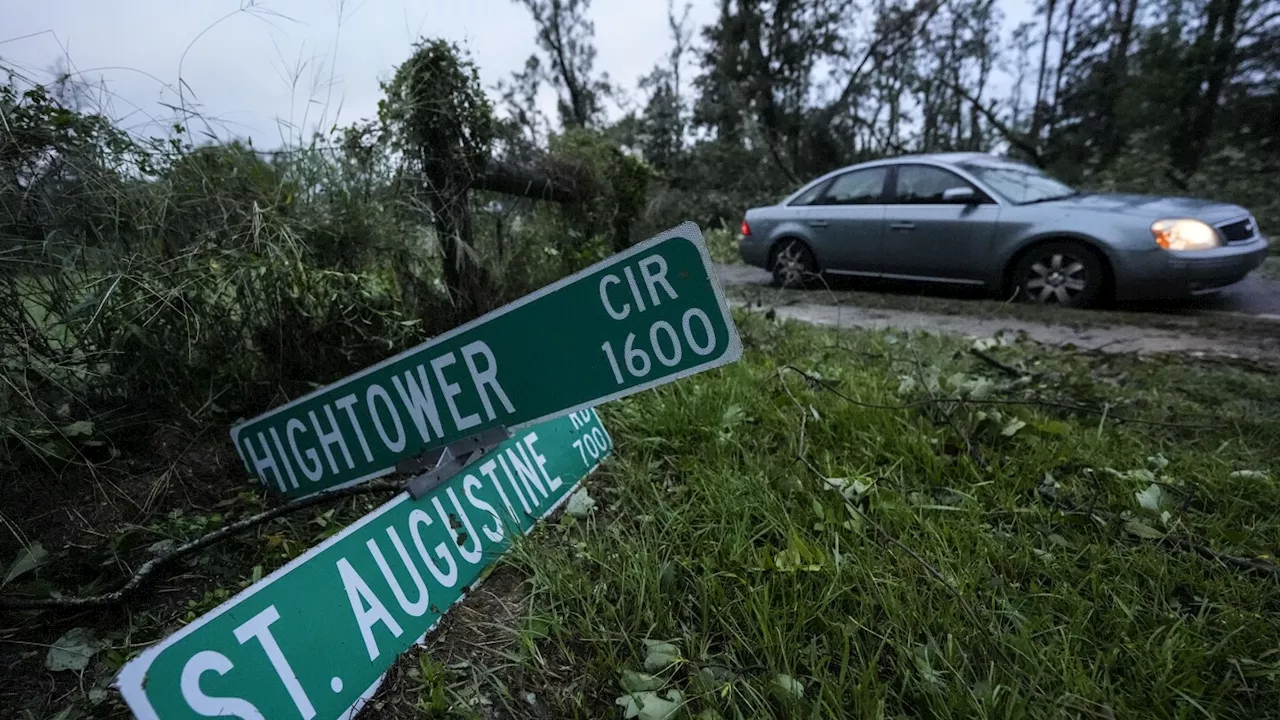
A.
x: 644, y: 317
x: 313, y: 639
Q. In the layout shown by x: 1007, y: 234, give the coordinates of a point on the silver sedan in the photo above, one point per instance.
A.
x: 980, y: 220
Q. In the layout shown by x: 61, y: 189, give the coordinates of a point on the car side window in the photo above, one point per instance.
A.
x: 860, y: 187
x: 925, y: 184
x: 810, y: 196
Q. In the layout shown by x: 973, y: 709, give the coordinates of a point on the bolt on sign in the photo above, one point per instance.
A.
x: 312, y: 640
x: 644, y: 317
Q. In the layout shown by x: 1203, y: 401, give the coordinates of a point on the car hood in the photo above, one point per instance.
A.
x: 1152, y: 207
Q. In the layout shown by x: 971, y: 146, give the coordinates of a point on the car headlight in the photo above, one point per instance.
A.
x: 1185, y: 234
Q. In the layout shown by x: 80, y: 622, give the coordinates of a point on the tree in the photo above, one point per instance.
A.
x: 567, y: 37
x: 439, y: 119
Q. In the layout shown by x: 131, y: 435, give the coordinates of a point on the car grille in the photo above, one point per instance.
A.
x: 1239, y: 231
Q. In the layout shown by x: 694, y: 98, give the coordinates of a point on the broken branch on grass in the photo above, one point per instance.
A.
x: 150, y: 567
x: 997, y: 364
x: 1067, y: 507
x: 986, y: 401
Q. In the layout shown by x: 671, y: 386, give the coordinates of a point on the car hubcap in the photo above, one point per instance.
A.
x: 790, y: 264
x: 1059, y: 280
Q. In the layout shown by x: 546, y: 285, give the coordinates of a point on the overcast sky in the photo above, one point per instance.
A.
x: 281, y: 65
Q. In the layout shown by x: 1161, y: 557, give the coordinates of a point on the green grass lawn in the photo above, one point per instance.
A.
x: 803, y: 554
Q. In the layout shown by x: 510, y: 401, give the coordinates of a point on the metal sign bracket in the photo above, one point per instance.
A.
x: 445, y: 462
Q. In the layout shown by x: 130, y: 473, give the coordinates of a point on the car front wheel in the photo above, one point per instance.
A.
x: 1059, y: 273
x: 793, y: 265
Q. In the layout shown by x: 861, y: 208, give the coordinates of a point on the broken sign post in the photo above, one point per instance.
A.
x: 644, y: 317
x: 312, y: 640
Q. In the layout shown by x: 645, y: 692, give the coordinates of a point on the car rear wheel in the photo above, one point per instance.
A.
x: 1059, y: 273
x: 793, y: 264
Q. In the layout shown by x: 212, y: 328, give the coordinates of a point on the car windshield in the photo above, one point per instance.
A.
x: 1020, y: 183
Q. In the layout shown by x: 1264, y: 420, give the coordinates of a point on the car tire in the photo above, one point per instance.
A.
x: 793, y: 264
x: 1069, y: 274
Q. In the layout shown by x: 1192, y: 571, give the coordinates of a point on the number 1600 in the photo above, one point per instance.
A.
x: 665, y: 344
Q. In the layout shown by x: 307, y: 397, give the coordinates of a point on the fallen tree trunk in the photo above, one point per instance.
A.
x: 528, y: 182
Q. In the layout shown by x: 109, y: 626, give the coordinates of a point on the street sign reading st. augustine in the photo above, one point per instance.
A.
x: 644, y: 317
x: 312, y: 640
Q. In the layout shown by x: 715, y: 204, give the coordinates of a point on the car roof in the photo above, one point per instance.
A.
x: 943, y: 157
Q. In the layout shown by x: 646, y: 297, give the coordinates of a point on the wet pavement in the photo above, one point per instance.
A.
x: 1255, y: 295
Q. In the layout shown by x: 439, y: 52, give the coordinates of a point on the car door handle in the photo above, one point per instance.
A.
x: 818, y: 223
x: 903, y: 226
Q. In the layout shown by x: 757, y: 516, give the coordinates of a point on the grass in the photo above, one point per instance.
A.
x: 851, y: 541
x: 945, y: 560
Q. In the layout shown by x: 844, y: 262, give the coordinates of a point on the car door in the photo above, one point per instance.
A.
x: 847, y: 221
x: 931, y: 235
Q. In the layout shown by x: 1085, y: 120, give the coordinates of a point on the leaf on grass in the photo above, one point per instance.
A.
x: 78, y: 428
x: 661, y: 655
x: 635, y: 682
x: 713, y: 677
x: 733, y: 415
x: 1158, y: 462
x: 850, y: 489
x: 982, y: 344
x: 788, y: 560
x: 1154, y: 498
x: 74, y: 650
x: 580, y: 504
x: 649, y: 706
x: 1251, y: 475
x: 789, y: 686
x: 981, y: 388
x: 1012, y: 427
x: 1142, y: 530
x: 906, y: 384
x: 29, y: 558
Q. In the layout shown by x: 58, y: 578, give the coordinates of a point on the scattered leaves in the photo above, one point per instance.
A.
x: 1154, y: 498
x: 661, y: 655
x: 635, y: 682
x: 29, y: 558
x: 649, y: 706
x: 74, y: 650
x: 789, y: 686
x: 580, y: 504
x: 1142, y: 530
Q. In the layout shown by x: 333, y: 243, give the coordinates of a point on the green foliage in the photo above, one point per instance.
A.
x: 616, y: 198
x: 436, y: 112
x: 150, y: 280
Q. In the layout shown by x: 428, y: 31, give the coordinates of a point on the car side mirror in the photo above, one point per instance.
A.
x: 959, y: 194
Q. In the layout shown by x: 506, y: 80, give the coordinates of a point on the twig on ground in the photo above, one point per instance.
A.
x: 997, y: 364
x: 1066, y: 506
x: 149, y: 568
x: 971, y: 401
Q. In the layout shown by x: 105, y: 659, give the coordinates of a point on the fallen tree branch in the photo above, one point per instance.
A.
x: 997, y: 364
x: 1066, y: 506
x: 149, y: 568
x: 548, y: 184
x: 1106, y: 414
